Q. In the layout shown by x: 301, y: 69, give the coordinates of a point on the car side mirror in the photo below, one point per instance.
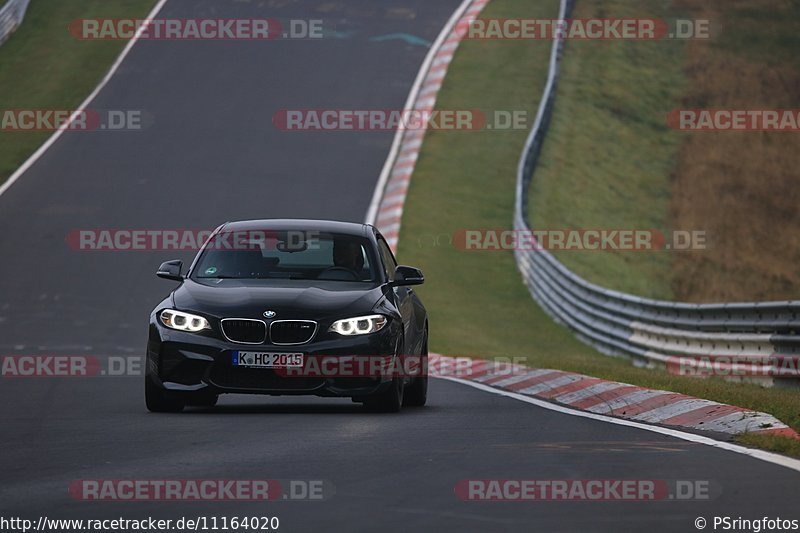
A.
x: 406, y: 275
x: 171, y: 270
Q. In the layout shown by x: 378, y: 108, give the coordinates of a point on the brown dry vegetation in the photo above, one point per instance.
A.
x: 742, y: 188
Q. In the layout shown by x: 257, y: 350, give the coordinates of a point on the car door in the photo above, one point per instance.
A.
x: 403, y: 296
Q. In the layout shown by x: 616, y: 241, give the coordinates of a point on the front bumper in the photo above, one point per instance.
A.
x: 203, y: 364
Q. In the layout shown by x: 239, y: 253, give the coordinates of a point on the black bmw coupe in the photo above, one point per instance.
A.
x: 289, y: 307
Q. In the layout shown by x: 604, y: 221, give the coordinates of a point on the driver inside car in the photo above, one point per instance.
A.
x: 348, y: 254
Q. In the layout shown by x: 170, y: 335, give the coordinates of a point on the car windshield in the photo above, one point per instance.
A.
x: 286, y: 254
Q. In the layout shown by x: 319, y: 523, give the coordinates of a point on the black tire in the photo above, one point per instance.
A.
x: 157, y: 400
x: 416, y: 394
x: 389, y: 401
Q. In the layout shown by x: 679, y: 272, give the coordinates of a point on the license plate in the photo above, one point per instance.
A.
x: 267, y: 360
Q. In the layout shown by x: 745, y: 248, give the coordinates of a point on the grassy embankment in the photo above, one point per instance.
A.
x: 610, y: 162
x: 43, y: 66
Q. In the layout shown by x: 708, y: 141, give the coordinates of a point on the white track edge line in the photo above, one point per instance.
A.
x: 55, y: 136
x: 377, y: 195
x: 769, y: 457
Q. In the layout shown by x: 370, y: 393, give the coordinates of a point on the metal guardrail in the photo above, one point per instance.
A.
x: 751, y: 341
x: 11, y: 15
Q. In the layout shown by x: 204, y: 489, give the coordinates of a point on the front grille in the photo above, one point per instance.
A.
x: 292, y: 331
x: 244, y: 330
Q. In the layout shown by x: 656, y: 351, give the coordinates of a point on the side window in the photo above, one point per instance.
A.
x: 389, y: 264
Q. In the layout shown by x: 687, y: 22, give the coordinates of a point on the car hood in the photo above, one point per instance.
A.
x: 233, y: 298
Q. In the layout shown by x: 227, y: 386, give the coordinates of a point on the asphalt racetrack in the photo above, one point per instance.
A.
x: 210, y: 154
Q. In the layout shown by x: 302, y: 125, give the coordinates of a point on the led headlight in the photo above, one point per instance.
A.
x: 360, y: 325
x: 183, y: 321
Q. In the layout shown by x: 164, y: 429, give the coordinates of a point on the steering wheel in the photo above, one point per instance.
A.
x: 352, y: 273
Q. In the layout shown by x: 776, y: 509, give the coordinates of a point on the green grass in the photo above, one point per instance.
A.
x: 610, y: 161
x: 772, y: 443
x: 476, y: 301
x: 43, y: 67
x: 763, y: 34
x: 466, y: 180
x: 608, y: 156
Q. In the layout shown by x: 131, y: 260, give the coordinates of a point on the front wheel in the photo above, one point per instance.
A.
x: 416, y: 394
x: 389, y: 401
x: 158, y: 401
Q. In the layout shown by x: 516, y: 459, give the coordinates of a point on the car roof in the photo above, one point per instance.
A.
x: 279, y: 224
